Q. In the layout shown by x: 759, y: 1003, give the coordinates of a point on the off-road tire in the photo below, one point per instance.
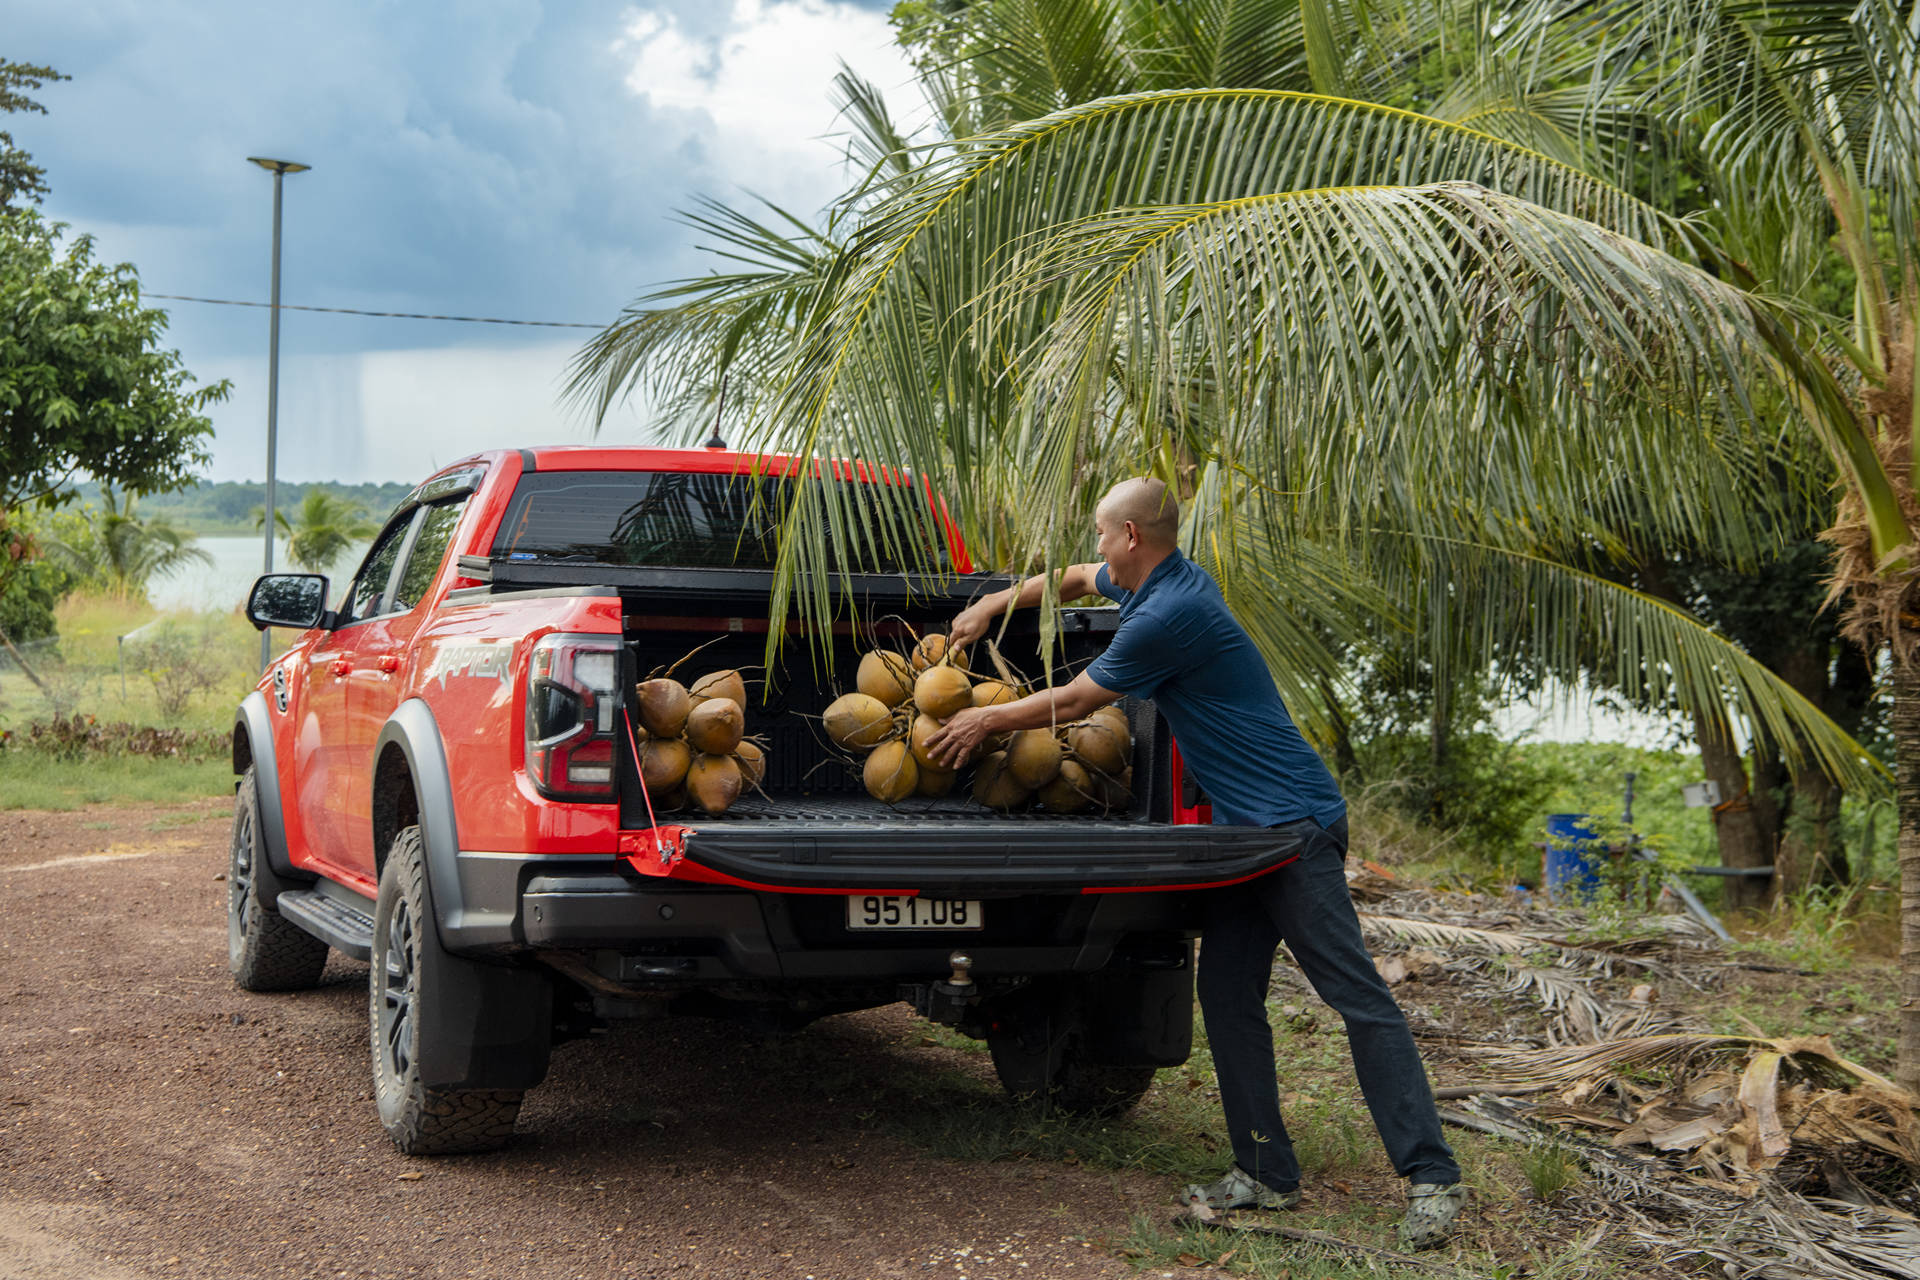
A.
x: 421, y: 1121
x: 1055, y: 1071
x: 265, y: 951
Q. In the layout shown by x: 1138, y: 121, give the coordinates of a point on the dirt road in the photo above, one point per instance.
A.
x: 156, y: 1121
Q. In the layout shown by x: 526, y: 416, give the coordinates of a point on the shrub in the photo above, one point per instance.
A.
x: 78, y: 737
x: 179, y: 658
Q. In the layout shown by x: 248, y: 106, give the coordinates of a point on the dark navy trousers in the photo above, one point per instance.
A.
x: 1306, y: 904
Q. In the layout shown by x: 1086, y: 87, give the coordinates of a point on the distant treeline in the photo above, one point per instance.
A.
x: 227, y: 507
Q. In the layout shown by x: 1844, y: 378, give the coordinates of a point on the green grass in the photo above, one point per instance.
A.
x: 29, y: 780
x: 85, y: 673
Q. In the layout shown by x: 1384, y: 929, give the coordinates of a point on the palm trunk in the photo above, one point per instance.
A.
x: 1745, y: 839
x: 1906, y: 739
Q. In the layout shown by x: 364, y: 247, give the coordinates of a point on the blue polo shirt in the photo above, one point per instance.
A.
x: 1179, y: 646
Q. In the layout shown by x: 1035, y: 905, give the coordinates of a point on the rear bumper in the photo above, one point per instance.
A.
x: 650, y: 932
x: 967, y: 858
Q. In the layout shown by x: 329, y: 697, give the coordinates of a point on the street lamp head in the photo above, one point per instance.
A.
x: 280, y: 166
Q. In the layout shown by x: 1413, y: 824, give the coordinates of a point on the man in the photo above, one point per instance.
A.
x: 1178, y: 645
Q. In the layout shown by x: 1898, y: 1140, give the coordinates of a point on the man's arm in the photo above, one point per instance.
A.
x: 962, y: 735
x: 977, y: 619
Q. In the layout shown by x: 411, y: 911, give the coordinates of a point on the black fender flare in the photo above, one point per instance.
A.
x: 416, y: 734
x: 255, y: 720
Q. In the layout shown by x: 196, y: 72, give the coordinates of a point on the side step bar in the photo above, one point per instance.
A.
x: 342, y: 927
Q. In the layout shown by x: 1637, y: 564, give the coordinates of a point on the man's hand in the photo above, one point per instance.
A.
x: 973, y: 622
x: 957, y: 740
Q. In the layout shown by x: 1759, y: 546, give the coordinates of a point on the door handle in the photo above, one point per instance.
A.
x: 388, y: 662
x: 341, y: 666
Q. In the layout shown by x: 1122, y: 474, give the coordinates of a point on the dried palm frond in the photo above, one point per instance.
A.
x: 1569, y: 1065
x: 1785, y: 1237
x: 1574, y: 1014
x: 1437, y: 933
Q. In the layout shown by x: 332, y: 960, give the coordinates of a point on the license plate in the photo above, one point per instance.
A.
x: 876, y: 912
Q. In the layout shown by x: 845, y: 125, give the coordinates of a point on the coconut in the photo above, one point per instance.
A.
x: 1113, y: 793
x: 663, y: 707
x: 1071, y: 790
x: 1118, y: 718
x: 890, y: 773
x: 752, y: 761
x: 935, y: 782
x: 1034, y: 757
x: 716, y: 726
x: 857, y: 722
x: 991, y: 693
x: 663, y: 764
x: 720, y: 684
x: 924, y: 727
x: 674, y: 799
x: 933, y: 650
x: 995, y: 786
x: 941, y: 691
x: 885, y: 675
x: 1095, y: 744
x: 713, y: 782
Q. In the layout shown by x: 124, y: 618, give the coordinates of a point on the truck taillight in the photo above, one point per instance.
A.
x: 573, y: 709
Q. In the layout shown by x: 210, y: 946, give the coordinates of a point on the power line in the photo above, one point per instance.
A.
x: 388, y: 315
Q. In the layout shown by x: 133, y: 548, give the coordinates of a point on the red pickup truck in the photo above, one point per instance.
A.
x: 435, y: 778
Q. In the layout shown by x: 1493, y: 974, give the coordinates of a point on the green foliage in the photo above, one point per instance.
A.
x: 84, y: 386
x: 321, y: 530
x: 28, y: 597
x: 1473, y: 782
x: 116, y: 549
x: 21, y: 180
x: 1550, y: 1168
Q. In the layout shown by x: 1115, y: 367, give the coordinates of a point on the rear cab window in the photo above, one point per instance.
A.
x: 686, y: 520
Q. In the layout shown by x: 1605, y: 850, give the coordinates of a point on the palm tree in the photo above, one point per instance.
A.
x: 322, y: 529
x: 1412, y: 361
x: 121, y: 551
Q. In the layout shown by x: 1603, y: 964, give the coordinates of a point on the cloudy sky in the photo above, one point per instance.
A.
x: 513, y: 158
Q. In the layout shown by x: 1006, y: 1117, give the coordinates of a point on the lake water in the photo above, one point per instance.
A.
x: 223, y: 585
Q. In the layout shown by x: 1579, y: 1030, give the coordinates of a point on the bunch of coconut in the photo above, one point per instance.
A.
x: 900, y: 700
x: 1075, y: 768
x: 695, y: 750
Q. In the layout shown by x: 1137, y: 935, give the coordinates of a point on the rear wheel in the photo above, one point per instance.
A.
x: 265, y: 952
x: 408, y: 973
x: 1041, y: 1053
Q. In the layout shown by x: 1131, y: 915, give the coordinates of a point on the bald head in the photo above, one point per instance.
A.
x: 1149, y: 506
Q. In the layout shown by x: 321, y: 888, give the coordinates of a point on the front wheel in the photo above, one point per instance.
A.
x: 408, y: 972
x: 265, y: 952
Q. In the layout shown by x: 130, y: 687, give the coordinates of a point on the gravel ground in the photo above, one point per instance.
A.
x: 157, y: 1121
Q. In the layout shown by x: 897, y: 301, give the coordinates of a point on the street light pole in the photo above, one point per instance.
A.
x: 280, y: 169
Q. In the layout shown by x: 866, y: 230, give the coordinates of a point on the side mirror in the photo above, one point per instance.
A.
x: 297, y: 600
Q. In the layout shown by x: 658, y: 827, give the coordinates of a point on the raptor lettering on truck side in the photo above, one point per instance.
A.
x: 480, y: 659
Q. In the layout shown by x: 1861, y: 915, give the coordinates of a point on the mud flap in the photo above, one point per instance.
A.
x: 1139, y: 1019
x: 489, y: 1028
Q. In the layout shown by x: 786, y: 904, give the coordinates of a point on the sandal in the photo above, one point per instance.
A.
x: 1431, y: 1209
x: 1239, y: 1190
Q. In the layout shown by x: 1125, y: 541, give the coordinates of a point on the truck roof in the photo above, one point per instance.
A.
x: 601, y: 457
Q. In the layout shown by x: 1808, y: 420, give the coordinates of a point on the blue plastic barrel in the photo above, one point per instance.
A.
x: 1566, y: 871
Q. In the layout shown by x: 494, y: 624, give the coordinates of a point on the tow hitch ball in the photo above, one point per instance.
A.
x: 948, y: 1002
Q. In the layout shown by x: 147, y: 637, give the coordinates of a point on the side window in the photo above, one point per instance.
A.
x: 371, y: 582
x: 429, y: 549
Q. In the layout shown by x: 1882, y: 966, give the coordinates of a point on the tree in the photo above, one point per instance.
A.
x: 21, y: 180
x: 120, y: 551
x: 85, y: 388
x: 1453, y: 358
x: 321, y: 531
